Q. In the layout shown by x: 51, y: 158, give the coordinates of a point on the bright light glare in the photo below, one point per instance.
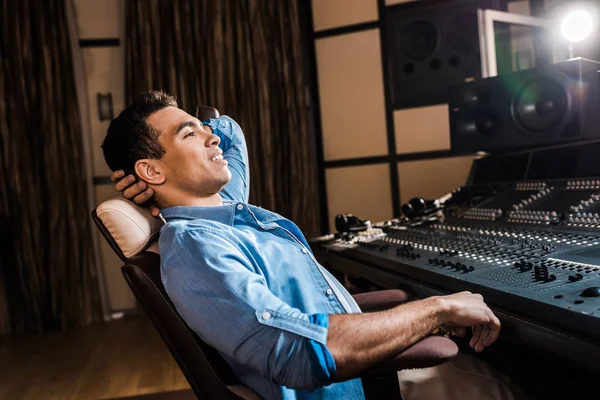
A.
x: 577, y: 26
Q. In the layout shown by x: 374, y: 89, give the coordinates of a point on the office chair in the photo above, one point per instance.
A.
x: 132, y: 233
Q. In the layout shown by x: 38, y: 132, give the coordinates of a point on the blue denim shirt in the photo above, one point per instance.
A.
x: 246, y: 281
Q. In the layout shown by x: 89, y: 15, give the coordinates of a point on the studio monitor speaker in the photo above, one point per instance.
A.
x: 536, y: 107
x: 432, y: 45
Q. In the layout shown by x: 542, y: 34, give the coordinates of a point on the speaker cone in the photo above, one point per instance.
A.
x: 418, y: 40
x: 540, y: 105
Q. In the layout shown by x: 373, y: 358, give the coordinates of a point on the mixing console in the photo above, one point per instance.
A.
x: 532, y: 248
x: 525, y: 233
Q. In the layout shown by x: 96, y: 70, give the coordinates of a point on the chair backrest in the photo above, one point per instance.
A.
x: 132, y: 233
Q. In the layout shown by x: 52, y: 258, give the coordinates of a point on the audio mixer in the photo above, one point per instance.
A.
x: 531, y: 247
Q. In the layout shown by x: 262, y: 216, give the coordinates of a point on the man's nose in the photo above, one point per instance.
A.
x: 213, y: 140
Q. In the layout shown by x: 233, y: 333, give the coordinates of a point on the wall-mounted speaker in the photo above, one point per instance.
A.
x: 432, y: 45
x: 536, y: 107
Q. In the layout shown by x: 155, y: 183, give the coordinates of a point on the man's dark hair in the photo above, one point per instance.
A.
x: 130, y: 137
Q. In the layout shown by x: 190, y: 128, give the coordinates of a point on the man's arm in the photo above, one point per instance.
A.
x: 235, y: 151
x: 222, y: 297
x: 358, y: 341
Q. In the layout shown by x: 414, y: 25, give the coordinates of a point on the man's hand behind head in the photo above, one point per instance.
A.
x: 132, y: 189
x: 466, y: 309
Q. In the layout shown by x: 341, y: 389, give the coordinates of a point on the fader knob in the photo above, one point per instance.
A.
x: 575, y: 278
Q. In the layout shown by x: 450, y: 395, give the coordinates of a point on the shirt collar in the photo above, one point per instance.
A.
x: 223, y: 214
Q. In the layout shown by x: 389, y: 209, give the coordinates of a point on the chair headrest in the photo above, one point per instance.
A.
x: 128, y: 228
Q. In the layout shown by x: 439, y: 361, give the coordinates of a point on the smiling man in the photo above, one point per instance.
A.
x: 185, y: 163
x: 244, y: 278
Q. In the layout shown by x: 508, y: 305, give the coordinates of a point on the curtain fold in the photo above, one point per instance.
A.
x: 243, y: 57
x: 47, y: 271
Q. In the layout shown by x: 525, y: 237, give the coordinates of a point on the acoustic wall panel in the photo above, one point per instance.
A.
x: 119, y: 294
x: 335, y: 13
x: 351, y: 95
x: 100, y: 19
x: 422, y: 129
x: 104, y: 70
x: 434, y: 178
x: 364, y: 191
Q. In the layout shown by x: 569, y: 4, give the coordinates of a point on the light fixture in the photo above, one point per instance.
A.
x: 577, y: 26
x: 105, y: 106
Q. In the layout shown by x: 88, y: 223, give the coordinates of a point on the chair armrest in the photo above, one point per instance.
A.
x: 380, y: 300
x: 429, y: 352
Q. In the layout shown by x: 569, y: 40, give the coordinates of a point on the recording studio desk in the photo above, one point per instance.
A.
x: 555, y: 360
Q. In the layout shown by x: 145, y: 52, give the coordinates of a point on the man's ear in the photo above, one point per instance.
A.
x: 150, y: 171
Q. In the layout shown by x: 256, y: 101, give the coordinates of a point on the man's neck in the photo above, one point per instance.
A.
x: 190, y: 200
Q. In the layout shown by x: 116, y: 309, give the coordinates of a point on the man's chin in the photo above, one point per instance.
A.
x: 224, y: 181
x: 227, y: 177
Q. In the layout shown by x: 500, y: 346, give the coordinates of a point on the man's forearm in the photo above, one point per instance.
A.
x: 357, y: 341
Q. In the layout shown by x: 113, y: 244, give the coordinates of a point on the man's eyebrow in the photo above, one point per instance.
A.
x: 192, y: 124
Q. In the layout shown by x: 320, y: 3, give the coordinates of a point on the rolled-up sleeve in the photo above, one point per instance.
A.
x: 227, y: 302
x: 235, y: 152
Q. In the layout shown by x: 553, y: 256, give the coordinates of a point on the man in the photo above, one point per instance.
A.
x: 244, y: 278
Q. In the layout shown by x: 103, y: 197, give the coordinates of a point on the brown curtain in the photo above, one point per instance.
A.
x: 47, y: 272
x: 243, y: 57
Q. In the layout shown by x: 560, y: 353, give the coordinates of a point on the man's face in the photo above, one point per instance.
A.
x: 193, y: 161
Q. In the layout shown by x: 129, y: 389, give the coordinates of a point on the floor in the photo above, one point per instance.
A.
x: 116, y: 359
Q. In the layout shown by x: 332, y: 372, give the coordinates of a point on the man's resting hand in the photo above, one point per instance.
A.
x: 132, y: 189
x: 466, y: 309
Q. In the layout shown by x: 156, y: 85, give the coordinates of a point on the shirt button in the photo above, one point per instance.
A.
x: 329, y: 292
x: 266, y: 315
x: 240, y: 207
x: 304, y: 250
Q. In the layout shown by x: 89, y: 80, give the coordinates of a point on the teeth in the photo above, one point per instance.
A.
x: 217, y: 157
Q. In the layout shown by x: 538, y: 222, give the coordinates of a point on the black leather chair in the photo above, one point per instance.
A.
x: 132, y: 232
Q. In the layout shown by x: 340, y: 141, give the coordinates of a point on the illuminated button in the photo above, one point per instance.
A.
x: 304, y: 250
x: 329, y: 292
x: 266, y: 315
x: 240, y: 206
